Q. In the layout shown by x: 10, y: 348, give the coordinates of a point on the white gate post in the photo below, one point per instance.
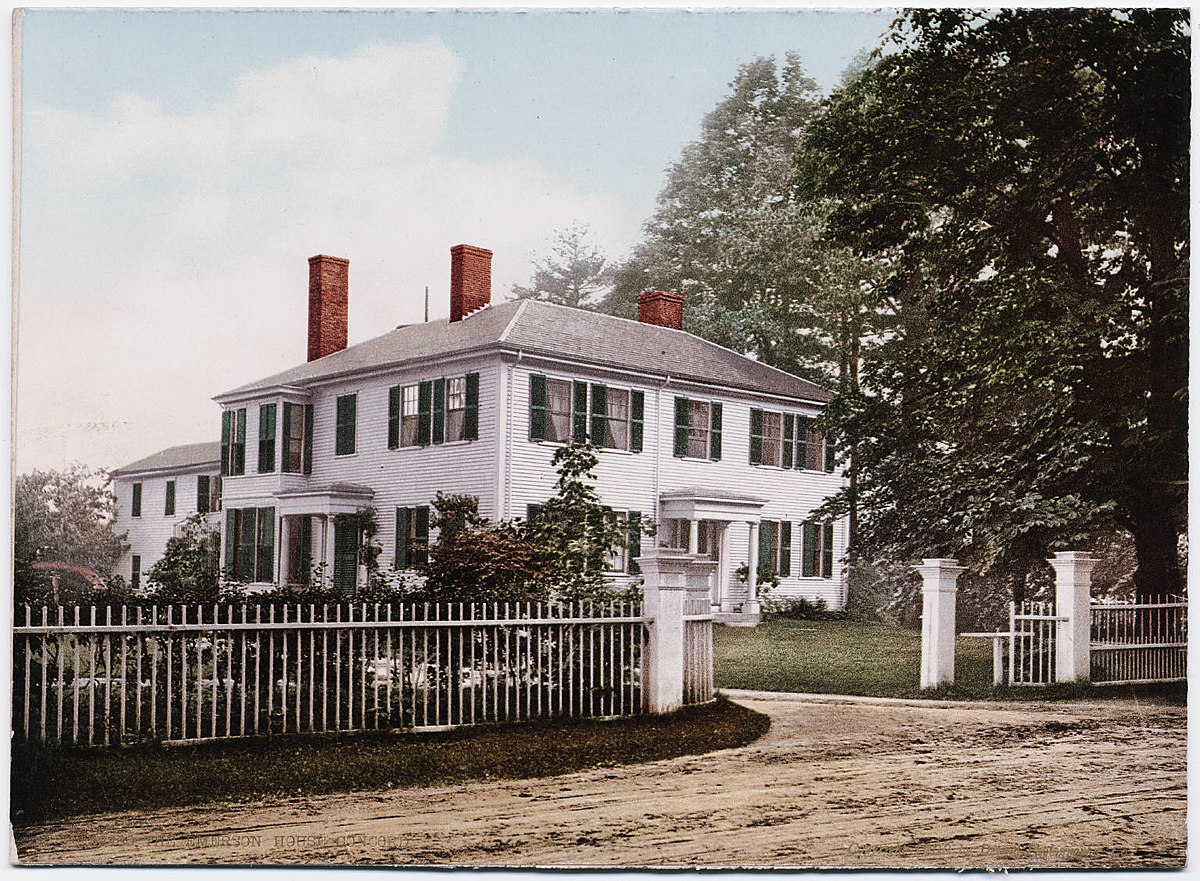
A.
x: 940, y: 592
x: 665, y: 589
x: 1073, y: 601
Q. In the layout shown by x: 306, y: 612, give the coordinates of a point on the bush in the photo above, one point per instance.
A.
x: 800, y: 609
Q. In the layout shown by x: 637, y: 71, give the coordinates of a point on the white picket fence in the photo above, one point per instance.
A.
x: 698, y: 685
x: 180, y: 674
x: 1139, y: 642
x: 1032, y: 628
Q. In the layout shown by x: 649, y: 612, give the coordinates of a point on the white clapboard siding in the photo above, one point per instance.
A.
x: 147, y: 535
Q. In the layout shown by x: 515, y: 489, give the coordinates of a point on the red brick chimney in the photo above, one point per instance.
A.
x: 470, y: 280
x: 328, y: 302
x: 662, y: 308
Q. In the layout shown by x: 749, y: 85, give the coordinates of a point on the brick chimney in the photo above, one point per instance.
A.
x: 470, y: 280
x: 662, y: 308
x: 328, y: 302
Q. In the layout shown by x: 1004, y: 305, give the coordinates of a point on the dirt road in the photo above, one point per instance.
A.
x: 864, y: 784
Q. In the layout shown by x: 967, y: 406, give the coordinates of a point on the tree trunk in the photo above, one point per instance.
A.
x: 1156, y: 541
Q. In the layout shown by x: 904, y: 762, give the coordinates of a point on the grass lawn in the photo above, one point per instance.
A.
x: 854, y: 657
x: 54, y: 784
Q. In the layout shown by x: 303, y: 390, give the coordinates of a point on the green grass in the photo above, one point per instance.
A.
x: 882, y: 660
x: 55, y: 784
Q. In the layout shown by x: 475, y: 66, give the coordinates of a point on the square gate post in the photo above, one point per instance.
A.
x: 665, y: 589
x: 940, y: 593
x: 1073, y: 601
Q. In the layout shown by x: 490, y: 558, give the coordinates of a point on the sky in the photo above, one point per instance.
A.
x: 178, y: 167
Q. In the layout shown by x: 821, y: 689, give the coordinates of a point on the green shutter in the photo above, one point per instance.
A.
x: 537, y: 407
x: 226, y: 439
x: 599, y: 414
x: 203, y: 488
x: 401, y: 560
x: 347, y: 414
x: 714, y: 432
x: 634, y: 542
x: 266, y: 438
x: 230, y: 543
x: 246, y: 546
x: 135, y: 573
x: 420, y: 553
x: 789, y: 439
x: 579, y: 410
x: 809, y: 549
x: 424, y: 412
x: 135, y: 509
x: 285, y: 441
x: 393, y: 417
x: 801, y: 441
x: 239, y: 443
x: 169, y: 508
x: 308, y: 438
x: 438, y: 433
x: 766, y: 536
x: 756, y: 436
x: 637, y: 420
x: 471, y: 416
x: 531, y: 512
x: 830, y: 455
x: 827, y: 552
x: 265, y: 550
x: 785, y: 548
x: 345, y: 556
x: 682, y: 423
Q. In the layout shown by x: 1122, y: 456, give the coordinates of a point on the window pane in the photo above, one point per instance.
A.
x: 409, y: 412
x: 698, y: 424
x: 616, y: 423
x: 772, y: 438
x: 295, y: 435
x: 558, y: 410
x: 456, y: 405
x: 816, y: 451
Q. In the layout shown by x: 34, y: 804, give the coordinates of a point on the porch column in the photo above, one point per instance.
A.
x: 752, y: 606
x: 693, y: 536
x: 723, y: 570
x: 1073, y: 601
x: 940, y: 592
x: 327, y: 545
x: 285, y: 550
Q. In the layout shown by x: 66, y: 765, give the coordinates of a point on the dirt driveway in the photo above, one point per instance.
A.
x: 835, y: 783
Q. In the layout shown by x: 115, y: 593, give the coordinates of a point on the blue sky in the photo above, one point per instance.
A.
x: 178, y: 167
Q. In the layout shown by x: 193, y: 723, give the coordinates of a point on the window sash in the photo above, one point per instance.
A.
x: 699, y: 426
x: 558, y: 411
x: 293, y: 438
x: 456, y: 407
x: 772, y: 438
x: 616, y: 419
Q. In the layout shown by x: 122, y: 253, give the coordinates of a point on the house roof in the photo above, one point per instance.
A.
x: 547, y: 329
x: 182, y: 456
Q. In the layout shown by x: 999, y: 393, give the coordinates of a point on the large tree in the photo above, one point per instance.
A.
x: 575, y: 272
x: 1025, y: 172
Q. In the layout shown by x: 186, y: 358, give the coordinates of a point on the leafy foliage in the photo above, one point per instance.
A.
x: 1024, y: 173
x: 573, y: 274
x: 190, y: 568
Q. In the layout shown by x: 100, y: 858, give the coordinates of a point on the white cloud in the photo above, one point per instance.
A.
x: 164, y: 251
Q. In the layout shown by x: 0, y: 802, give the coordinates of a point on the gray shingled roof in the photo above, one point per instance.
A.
x: 182, y: 456
x: 556, y: 331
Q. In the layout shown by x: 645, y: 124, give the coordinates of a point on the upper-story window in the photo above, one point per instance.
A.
x: 562, y: 411
x: 208, y: 493
x: 135, y: 507
x: 786, y: 440
x: 697, y: 429
x: 297, y: 438
x: 266, y: 438
x: 436, y: 411
x: 233, y: 441
x: 347, y: 415
x: 169, y: 507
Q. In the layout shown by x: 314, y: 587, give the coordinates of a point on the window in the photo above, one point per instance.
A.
x: 135, y: 573
x: 697, y: 429
x: 564, y: 411
x: 772, y: 438
x: 266, y: 438
x: 250, y: 544
x: 169, y: 507
x: 788, y: 441
x: 435, y: 411
x: 233, y: 441
x: 412, y: 537
x: 135, y: 508
x: 622, y: 558
x: 817, y: 540
x: 297, y: 438
x: 775, y: 546
x: 208, y: 493
x: 558, y: 411
x: 347, y: 410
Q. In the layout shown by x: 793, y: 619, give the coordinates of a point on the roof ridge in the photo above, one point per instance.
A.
x: 503, y: 338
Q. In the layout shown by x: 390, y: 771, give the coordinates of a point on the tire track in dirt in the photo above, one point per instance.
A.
x: 833, y: 784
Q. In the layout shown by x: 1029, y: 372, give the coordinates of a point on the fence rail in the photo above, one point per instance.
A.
x: 179, y: 674
x: 1139, y: 642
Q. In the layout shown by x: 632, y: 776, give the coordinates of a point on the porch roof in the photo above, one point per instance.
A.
x: 708, y: 503
x: 333, y: 498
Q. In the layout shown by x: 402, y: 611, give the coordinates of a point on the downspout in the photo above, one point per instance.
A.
x: 658, y: 447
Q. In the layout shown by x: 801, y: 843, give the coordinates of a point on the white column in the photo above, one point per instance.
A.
x: 285, y: 549
x: 327, y: 543
x: 752, y: 606
x: 1073, y: 600
x: 940, y: 591
x: 693, y: 536
x: 723, y: 570
x: 664, y: 572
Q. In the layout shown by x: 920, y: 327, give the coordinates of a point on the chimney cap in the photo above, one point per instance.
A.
x: 315, y: 257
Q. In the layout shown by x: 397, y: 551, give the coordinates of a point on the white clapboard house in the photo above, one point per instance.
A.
x: 715, y: 447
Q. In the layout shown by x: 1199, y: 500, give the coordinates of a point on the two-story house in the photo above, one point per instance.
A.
x: 716, y: 447
x: 156, y: 495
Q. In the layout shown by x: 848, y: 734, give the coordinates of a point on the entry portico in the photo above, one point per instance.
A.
x: 710, y: 515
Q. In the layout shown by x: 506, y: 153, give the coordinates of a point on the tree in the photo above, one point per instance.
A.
x: 1025, y: 173
x: 65, y: 517
x: 572, y: 274
x: 189, y: 570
